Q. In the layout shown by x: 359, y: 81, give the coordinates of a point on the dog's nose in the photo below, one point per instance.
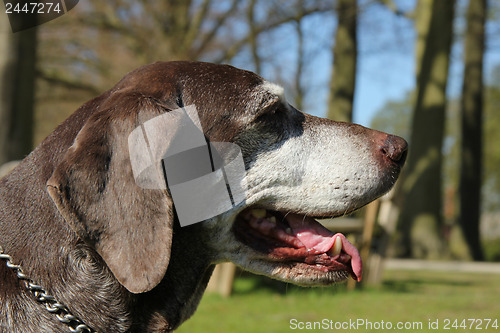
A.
x: 395, y: 148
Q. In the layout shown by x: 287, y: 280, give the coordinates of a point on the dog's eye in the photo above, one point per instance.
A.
x: 274, y: 112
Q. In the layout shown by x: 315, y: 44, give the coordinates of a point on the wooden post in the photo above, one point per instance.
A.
x: 222, y: 279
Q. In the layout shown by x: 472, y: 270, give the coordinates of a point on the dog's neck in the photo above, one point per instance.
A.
x: 176, y: 298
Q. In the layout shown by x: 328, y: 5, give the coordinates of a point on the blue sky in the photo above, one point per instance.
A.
x: 386, y: 63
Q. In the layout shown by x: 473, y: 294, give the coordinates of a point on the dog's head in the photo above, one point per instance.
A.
x: 297, y: 167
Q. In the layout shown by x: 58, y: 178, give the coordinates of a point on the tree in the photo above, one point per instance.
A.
x: 491, y: 148
x: 85, y: 53
x: 345, y: 51
x: 472, y: 131
x: 395, y: 116
x: 420, y: 221
x: 17, y: 85
x: 299, y: 87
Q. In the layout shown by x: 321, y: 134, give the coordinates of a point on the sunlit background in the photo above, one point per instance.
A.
x: 50, y: 70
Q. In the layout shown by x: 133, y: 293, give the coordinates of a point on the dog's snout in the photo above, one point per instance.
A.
x: 395, y: 148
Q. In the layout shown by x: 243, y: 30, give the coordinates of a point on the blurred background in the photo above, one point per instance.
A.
x: 427, y: 70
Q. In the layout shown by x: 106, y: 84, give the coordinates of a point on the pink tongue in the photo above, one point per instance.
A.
x: 314, y: 236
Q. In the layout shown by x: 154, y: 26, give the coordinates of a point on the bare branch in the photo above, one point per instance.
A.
x: 196, y: 23
x: 219, y: 23
x: 265, y: 27
x: 58, y: 79
x: 391, y: 5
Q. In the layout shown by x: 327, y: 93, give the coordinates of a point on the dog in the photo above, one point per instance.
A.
x: 82, y: 239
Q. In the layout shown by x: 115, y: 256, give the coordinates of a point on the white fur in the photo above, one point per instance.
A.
x: 274, y: 89
x: 317, y: 174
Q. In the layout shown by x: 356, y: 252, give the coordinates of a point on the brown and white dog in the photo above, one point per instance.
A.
x: 73, y: 218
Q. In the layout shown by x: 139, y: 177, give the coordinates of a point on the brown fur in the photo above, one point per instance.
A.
x: 73, y: 217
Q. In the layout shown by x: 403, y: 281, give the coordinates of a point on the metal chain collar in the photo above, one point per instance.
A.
x: 62, y: 313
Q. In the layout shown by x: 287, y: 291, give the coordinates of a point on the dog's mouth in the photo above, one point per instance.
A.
x: 297, y: 239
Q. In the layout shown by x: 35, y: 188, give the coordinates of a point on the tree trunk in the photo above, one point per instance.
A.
x: 253, y: 36
x: 301, y: 61
x: 472, y: 118
x: 17, y: 83
x: 421, y: 221
x: 345, y: 52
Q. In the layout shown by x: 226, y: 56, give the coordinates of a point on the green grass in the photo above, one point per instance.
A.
x: 262, y: 305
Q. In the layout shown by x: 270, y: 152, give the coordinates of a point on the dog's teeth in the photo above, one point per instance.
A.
x: 289, y: 231
x: 259, y: 213
x: 272, y: 219
x: 337, y: 247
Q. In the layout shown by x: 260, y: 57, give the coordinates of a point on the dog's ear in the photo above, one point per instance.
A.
x: 94, y: 189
